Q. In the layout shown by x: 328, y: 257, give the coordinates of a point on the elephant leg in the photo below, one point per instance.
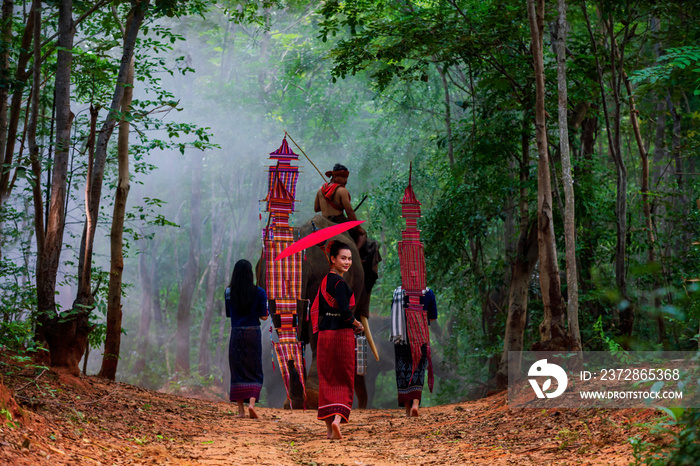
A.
x: 361, y: 391
x: 371, y: 384
x: 312, y: 377
x: 296, y: 390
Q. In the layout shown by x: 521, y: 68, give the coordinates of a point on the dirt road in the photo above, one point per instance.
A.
x: 100, y: 422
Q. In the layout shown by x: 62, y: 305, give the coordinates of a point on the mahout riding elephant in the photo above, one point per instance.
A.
x: 315, y: 266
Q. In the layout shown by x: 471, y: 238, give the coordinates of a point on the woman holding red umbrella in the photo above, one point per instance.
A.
x: 332, y: 318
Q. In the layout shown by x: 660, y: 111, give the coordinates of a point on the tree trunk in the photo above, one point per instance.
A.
x: 616, y: 72
x: 681, y: 203
x: 448, y: 117
x: 146, y: 270
x: 20, y: 81
x: 586, y: 184
x: 568, y: 182
x: 659, y: 144
x: 553, y: 335
x: 31, y: 135
x: 84, y: 297
x: 5, y: 80
x: 612, y: 124
x: 217, y: 239
x: 523, y: 264
x: 221, y: 358
x: 8, y: 131
x: 73, y: 335
x: 522, y: 269
x: 182, y: 336
x: 646, y: 207
x: 158, y: 315
x: 49, y: 328
x: 114, y: 295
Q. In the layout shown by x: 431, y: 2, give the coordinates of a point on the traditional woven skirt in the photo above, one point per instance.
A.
x: 409, y: 383
x: 335, y: 358
x: 245, y: 362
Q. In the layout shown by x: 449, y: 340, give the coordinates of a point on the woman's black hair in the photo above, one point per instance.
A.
x: 243, y: 289
x: 339, y: 166
x: 336, y: 247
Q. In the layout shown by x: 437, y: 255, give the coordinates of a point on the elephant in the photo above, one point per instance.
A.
x: 315, y: 266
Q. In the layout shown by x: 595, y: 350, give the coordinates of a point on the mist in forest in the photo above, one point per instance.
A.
x: 242, y: 94
x: 413, y: 94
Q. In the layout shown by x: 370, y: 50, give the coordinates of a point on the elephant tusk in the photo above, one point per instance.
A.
x: 368, y: 334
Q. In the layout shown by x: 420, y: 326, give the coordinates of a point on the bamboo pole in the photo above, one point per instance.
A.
x: 307, y: 157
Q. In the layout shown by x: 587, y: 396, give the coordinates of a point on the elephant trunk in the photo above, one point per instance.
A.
x: 368, y: 334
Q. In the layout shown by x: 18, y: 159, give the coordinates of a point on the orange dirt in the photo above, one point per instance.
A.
x: 94, y: 421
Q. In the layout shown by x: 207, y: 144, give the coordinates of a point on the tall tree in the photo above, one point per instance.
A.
x: 50, y: 328
x: 85, y: 298
x: 34, y: 159
x: 74, y: 338
x: 189, y: 280
x: 612, y: 124
x: 110, y: 358
x: 5, y: 71
x: 9, y: 124
x: 217, y: 239
x: 553, y: 334
x: 568, y: 181
x: 146, y: 272
x: 522, y: 266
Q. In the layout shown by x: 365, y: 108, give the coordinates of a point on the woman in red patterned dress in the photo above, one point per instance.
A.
x: 336, y: 327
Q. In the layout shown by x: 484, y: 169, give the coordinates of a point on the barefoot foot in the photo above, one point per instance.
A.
x: 251, y: 411
x: 335, y: 435
x: 414, y: 412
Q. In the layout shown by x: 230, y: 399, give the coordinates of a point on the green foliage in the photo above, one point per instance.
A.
x: 676, y: 67
x: 17, y: 285
x: 682, y: 426
x: 97, y: 336
x: 611, y: 345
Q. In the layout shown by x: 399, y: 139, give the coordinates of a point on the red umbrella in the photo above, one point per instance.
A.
x: 317, y: 237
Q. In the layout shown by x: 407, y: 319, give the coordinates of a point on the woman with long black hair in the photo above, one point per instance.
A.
x: 332, y: 317
x: 246, y: 305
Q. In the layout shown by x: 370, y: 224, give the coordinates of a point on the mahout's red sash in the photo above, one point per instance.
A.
x: 328, y: 190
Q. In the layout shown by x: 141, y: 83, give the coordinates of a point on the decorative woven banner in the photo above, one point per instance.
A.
x: 288, y: 178
x: 413, y: 272
x: 413, y: 280
x: 283, y: 277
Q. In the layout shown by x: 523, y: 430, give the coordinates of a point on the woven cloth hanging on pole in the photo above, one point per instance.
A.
x: 283, y: 277
x: 413, y: 280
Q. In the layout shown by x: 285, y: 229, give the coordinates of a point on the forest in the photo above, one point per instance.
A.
x: 552, y: 145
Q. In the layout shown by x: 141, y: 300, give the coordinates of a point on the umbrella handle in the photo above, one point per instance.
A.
x: 370, y: 340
